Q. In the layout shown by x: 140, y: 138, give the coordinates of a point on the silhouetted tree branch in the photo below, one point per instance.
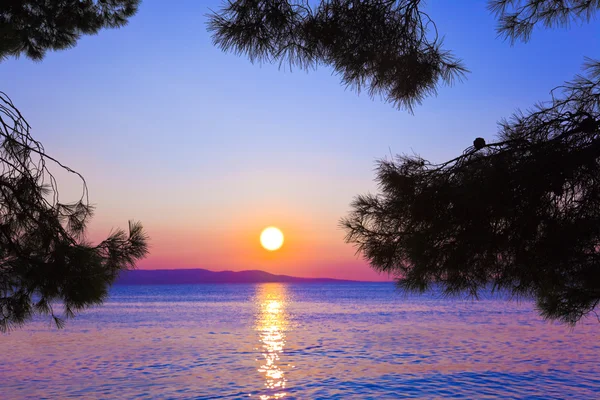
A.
x: 517, y: 18
x: 44, y: 256
x: 390, y: 48
x: 522, y: 214
x: 45, y: 259
x: 32, y: 27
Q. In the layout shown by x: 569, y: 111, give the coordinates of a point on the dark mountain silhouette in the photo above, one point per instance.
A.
x: 188, y: 276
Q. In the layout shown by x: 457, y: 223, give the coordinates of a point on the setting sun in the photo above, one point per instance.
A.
x: 271, y: 238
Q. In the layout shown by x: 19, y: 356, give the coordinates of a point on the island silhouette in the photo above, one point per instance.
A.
x: 198, y: 275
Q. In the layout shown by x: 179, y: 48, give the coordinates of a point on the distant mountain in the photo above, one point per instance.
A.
x: 189, y: 276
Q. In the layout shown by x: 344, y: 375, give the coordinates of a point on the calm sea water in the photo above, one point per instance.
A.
x: 300, y: 341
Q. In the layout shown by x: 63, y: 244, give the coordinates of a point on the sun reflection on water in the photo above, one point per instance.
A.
x: 271, y: 325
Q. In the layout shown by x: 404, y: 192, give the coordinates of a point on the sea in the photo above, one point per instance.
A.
x: 300, y: 341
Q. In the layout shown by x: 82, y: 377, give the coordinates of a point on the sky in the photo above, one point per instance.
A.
x: 206, y: 149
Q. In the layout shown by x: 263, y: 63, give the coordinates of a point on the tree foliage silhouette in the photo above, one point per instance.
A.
x: 384, y: 47
x: 522, y: 214
x: 518, y: 18
x: 45, y: 258
x: 32, y: 27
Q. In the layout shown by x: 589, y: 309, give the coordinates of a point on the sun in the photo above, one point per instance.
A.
x: 271, y: 238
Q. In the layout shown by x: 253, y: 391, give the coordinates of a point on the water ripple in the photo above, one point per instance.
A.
x: 355, y: 341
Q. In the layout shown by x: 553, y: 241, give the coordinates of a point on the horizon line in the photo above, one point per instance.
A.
x: 259, y: 270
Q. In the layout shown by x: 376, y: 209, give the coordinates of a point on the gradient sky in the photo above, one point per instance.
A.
x: 206, y: 148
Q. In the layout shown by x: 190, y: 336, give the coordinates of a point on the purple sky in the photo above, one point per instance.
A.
x: 207, y: 149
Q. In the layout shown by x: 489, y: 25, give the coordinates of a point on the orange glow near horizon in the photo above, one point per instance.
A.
x: 313, y: 244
